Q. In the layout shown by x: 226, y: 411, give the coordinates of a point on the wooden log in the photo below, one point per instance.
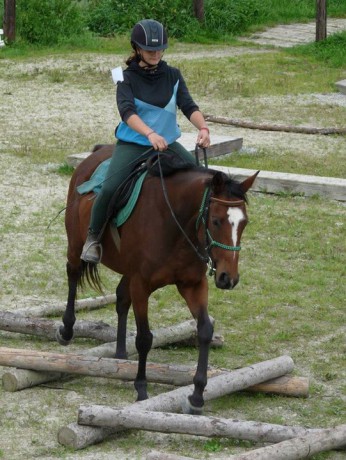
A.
x: 78, y: 437
x: 90, y: 303
x: 98, y: 330
x: 81, y: 364
x: 300, y: 447
x: 288, y: 385
x: 273, y: 127
x: 19, y: 379
x: 47, y: 328
x: 156, y: 455
x: 97, y: 367
x: 166, y: 422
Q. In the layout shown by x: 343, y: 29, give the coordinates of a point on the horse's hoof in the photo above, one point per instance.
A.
x: 188, y: 408
x: 60, y: 339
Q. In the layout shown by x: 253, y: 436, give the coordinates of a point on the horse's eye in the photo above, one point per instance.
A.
x: 216, y: 222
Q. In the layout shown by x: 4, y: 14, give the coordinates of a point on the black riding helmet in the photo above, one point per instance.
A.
x: 149, y: 35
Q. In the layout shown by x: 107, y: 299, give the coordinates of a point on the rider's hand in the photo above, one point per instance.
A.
x: 157, y: 141
x: 203, y: 138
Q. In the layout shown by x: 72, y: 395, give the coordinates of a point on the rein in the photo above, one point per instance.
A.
x: 202, y: 218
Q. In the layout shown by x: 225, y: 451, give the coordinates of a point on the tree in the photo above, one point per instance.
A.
x: 321, y: 20
x: 10, y: 20
x: 198, y: 9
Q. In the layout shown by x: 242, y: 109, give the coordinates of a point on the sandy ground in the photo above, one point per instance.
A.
x: 29, y: 420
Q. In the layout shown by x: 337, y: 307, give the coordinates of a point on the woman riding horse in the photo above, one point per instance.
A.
x: 147, y: 100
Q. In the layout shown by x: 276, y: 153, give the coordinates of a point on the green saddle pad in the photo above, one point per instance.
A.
x: 95, y: 182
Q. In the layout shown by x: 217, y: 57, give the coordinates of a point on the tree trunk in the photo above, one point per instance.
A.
x: 10, y: 20
x: 78, y: 436
x: 321, y: 20
x: 198, y: 9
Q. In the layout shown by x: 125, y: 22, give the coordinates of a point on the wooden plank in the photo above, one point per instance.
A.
x: 341, y: 85
x: 221, y: 145
x: 276, y: 182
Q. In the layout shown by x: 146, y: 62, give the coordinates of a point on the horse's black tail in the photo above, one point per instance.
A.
x: 90, y: 274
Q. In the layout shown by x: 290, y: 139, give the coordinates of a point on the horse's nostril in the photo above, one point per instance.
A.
x: 223, y: 281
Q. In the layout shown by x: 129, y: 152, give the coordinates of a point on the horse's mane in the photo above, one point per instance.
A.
x: 233, y: 188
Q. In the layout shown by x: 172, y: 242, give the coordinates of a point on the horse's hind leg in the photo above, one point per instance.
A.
x: 196, y: 299
x: 123, y: 304
x: 64, y: 334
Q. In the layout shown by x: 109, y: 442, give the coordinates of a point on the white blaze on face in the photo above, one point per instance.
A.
x: 235, y: 216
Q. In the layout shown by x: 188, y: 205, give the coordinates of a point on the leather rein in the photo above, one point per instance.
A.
x: 202, y: 219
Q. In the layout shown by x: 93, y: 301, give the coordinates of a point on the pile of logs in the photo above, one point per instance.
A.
x: 162, y: 413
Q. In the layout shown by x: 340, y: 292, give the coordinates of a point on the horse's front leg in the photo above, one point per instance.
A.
x: 64, y: 334
x: 123, y: 304
x: 144, y: 337
x: 196, y: 298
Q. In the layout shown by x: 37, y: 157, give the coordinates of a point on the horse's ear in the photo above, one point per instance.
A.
x: 247, y: 183
x: 218, y: 182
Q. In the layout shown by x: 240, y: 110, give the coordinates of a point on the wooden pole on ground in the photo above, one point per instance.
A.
x: 90, y: 303
x: 273, y: 127
x: 96, y: 367
x: 47, y: 328
x: 301, y: 447
x: 156, y: 455
x: 82, y: 364
x: 78, y: 436
x: 166, y: 422
x: 98, y: 330
x: 19, y: 379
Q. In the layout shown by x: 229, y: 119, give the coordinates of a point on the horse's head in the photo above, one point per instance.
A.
x: 226, y: 219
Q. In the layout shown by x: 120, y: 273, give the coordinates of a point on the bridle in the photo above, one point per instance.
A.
x: 202, y: 219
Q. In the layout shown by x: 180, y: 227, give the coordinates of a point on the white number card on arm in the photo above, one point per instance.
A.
x: 117, y: 74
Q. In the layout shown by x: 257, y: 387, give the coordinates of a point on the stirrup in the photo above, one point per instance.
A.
x: 92, y: 252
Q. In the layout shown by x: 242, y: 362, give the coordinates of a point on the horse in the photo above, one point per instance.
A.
x: 181, y: 223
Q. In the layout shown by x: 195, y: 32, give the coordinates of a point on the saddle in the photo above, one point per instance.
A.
x: 159, y: 164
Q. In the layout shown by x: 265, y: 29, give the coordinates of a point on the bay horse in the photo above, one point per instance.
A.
x: 179, y: 224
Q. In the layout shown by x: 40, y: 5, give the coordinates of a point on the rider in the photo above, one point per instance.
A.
x: 147, y: 101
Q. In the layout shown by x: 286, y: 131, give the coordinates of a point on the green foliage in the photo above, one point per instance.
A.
x: 331, y: 51
x: 48, y: 22
x: 61, y: 22
x: 223, y: 17
x: 109, y: 17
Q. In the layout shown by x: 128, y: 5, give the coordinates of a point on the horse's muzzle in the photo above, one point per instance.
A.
x: 224, y: 281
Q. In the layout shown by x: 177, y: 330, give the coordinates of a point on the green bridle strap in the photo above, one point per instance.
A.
x: 221, y: 245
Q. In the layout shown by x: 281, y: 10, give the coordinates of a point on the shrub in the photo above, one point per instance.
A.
x: 110, y: 17
x: 229, y: 17
x: 48, y: 22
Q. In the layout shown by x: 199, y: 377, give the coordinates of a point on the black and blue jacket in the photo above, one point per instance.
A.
x: 154, y: 96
